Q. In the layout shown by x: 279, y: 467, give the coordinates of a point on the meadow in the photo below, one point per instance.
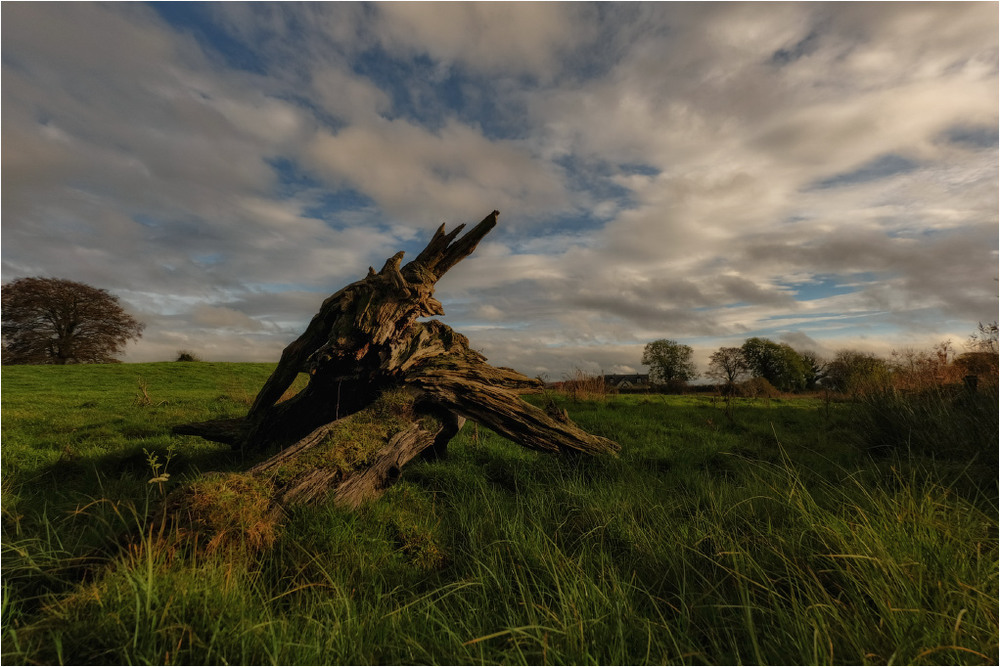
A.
x: 790, y: 530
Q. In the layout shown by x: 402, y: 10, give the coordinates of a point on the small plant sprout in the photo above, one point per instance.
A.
x: 142, y: 397
x: 160, y: 474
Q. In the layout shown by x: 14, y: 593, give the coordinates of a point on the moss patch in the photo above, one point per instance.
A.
x: 353, y: 441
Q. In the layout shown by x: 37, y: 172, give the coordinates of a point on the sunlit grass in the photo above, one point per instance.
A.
x: 761, y: 533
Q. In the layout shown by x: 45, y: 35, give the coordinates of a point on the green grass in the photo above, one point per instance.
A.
x: 762, y: 533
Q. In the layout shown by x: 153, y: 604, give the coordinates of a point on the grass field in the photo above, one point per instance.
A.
x: 760, y: 532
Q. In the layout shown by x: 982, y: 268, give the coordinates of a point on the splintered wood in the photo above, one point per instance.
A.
x: 384, y: 388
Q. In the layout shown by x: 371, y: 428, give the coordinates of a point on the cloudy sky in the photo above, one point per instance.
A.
x: 821, y: 174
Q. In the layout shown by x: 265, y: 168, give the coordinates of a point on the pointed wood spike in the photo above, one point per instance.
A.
x: 438, y: 244
x: 466, y: 245
x: 450, y: 236
x: 392, y: 264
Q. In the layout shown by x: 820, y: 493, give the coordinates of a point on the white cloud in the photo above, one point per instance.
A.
x: 661, y: 169
x: 421, y: 175
x: 218, y: 317
x: 348, y: 97
x: 493, y: 37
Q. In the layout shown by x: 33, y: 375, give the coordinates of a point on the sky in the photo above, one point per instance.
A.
x: 824, y: 175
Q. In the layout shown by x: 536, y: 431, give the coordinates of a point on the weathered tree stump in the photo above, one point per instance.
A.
x: 384, y: 388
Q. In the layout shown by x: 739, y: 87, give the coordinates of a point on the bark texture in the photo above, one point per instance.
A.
x: 365, y: 344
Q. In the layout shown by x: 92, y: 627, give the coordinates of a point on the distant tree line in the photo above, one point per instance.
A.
x: 779, y: 367
x: 54, y: 321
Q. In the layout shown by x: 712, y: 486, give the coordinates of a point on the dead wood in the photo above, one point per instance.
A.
x: 364, y: 344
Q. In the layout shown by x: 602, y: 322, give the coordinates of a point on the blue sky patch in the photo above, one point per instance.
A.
x: 291, y: 177
x: 593, y: 177
x: 430, y: 94
x: 420, y: 92
x: 639, y: 169
x: 195, y: 18
x: 975, y: 136
x: 329, y: 204
x: 881, y: 167
x: 824, y: 286
x: 802, y: 48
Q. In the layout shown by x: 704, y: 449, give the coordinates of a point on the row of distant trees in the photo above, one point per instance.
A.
x: 53, y: 321
x: 849, y: 371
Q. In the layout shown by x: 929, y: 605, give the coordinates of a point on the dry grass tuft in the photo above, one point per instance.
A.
x: 583, y: 386
x: 224, y: 510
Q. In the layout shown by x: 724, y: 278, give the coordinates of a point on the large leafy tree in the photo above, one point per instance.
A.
x: 53, y: 321
x: 669, y: 361
x: 815, y: 369
x: 777, y: 363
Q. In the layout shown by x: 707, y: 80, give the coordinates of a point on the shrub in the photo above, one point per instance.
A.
x: 919, y: 370
x: 184, y: 355
x: 857, y: 373
x: 757, y: 388
x: 983, y: 365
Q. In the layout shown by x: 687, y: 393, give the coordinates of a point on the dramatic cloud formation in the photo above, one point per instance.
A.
x: 821, y: 174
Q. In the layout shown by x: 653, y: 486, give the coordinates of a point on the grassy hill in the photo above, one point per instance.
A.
x: 758, y: 532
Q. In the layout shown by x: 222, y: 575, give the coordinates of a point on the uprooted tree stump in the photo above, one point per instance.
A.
x: 383, y: 388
